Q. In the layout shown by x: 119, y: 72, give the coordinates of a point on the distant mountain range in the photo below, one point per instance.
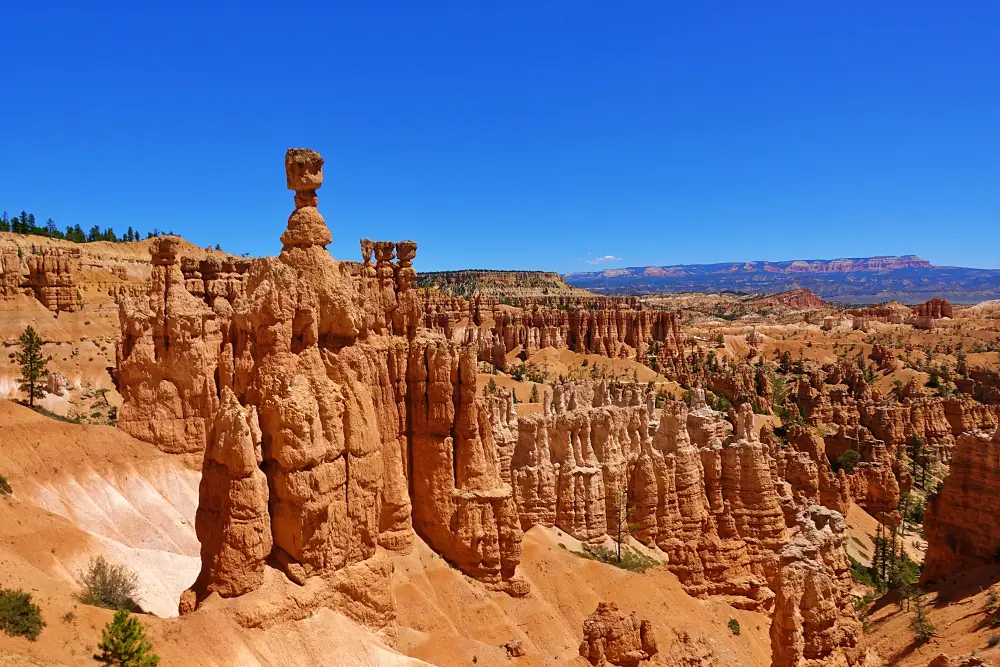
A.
x: 906, y: 278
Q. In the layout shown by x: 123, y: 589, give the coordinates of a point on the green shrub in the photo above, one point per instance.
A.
x: 109, y: 585
x: 631, y: 560
x: 5, y: 489
x: 734, y: 626
x: 921, y: 626
x: 124, y: 643
x: 51, y: 415
x: 861, y: 574
x: 993, y: 641
x: 861, y: 604
x: 992, y: 602
x: 19, y: 616
x: 915, y: 513
x: 848, y: 461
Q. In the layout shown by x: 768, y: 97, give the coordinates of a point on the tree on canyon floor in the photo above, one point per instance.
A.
x: 32, y: 362
x: 920, y: 624
x: 124, y: 643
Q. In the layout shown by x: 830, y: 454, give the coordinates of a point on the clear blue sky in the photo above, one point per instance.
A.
x: 517, y: 134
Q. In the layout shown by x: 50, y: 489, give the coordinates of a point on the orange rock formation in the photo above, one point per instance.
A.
x: 613, y: 637
x: 337, y: 418
x: 962, y: 523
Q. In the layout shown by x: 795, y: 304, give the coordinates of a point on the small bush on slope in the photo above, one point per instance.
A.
x: 109, y: 585
x: 19, y: 616
x: 632, y: 560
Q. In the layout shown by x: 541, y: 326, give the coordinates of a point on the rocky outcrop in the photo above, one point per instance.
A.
x: 799, y: 299
x: 332, y: 426
x: 49, y: 274
x: 813, y: 622
x: 499, y: 284
x: 52, y: 276
x: 704, y: 497
x: 611, y: 327
x: 935, y: 309
x: 167, y: 358
x: 215, y: 277
x: 612, y: 637
x: 572, y: 458
x: 962, y: 523
x: 232, y: 522
x: 461, y: 506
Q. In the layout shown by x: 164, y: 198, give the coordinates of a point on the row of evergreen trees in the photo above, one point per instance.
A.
x: 25, y: 224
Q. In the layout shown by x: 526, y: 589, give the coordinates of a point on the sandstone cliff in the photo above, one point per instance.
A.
x: 331, y: 427
x: 962, y: 523
x: 334, y: 410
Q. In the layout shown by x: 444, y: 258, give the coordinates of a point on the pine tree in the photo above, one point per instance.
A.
x: 4, y: 222
x: 51, y: 229
x: 124, y: 643
x: 32, y: 362
x: 534, y: 395
x: 921, y: 626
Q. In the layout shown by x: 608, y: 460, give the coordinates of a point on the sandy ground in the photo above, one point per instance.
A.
x: 448, y: 620
x: 956, y: 607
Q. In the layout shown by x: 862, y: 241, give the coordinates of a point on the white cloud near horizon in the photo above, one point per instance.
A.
x: 606, y: 258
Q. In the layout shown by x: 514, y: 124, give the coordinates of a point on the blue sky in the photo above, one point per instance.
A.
x: 523, y: 135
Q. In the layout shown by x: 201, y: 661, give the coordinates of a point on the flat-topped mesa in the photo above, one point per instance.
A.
x: 306, y: 226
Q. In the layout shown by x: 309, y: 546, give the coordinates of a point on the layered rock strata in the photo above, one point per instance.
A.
x: 813, y: 621
x: 962, y: 523
x: 612, y: 637
x: 167, y: 358
x: 331, y: 426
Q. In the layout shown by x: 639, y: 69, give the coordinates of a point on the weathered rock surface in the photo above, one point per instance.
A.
x: 232, y: 522
x: 52, y: 276
x: 962, y: 523
x: 331, y: 427
x: 813, y: 622
x: 166, y: 359
x: 612, y: 637
x: 935, y: 309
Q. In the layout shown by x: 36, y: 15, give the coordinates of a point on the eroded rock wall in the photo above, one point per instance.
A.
x: 332, y: 426
x: 962, y: 523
